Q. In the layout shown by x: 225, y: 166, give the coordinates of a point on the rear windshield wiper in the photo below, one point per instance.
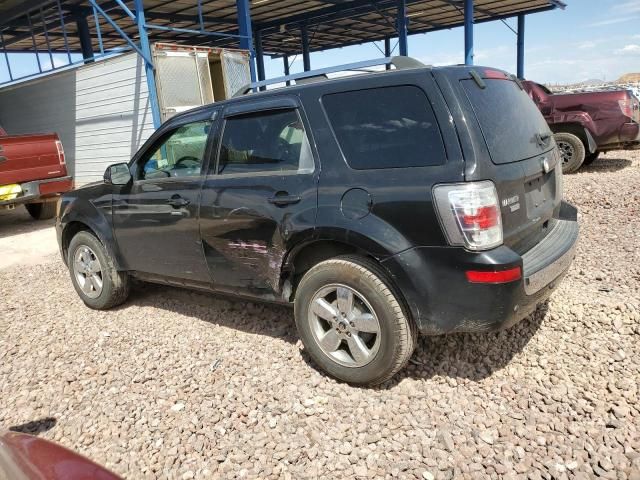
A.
x: 478, y: 79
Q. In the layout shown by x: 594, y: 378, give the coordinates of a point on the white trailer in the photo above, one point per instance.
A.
x: 101, y: 110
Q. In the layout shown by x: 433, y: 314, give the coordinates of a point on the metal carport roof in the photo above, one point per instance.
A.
x: 329, y: 23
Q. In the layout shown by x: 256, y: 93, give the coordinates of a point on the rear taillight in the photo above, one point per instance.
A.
x: 470, y: 214
x: 626, y: 106
x: 60, y: 152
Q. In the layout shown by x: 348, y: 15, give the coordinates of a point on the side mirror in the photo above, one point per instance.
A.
x: 117, y: 174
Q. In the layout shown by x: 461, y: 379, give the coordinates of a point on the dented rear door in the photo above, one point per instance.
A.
x: 260, y: 196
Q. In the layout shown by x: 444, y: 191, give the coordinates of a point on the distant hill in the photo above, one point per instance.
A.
x: 629, y: 78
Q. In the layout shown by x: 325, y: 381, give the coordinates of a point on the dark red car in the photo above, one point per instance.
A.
x: 33, y: 173
x: 586, y: 124
x: 25, y: 457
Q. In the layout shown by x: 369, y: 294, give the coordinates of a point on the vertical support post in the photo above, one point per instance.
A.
x: 468, y: 32
x: 285, y: 61
x: 246, y: 40
x: 387, y: 51
x: 402, y: 28
x: 520, y: 62
x: 148, y: 67
x: 306, y: 57
x: 85, y: 37
x: 259, y: 55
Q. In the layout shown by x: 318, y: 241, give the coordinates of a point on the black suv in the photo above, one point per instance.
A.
x: 380, y: 205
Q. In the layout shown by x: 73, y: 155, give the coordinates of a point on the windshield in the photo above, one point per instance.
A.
x: 511, y: 123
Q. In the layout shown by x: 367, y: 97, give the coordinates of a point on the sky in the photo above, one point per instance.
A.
x: 590, y: 39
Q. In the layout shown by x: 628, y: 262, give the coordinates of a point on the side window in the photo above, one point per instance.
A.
x: 272, y: 141
x: 386, y: 127
x: 179, y: 154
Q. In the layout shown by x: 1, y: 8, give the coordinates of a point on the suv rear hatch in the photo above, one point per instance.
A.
x: 515, y: 150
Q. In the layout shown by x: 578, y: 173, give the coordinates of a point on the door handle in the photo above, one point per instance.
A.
x: 282, y: 199
x: 177, y: 201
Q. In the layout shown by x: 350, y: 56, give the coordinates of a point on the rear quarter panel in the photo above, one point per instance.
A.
x: 400, y: 208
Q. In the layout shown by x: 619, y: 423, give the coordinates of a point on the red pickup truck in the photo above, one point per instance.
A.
x: 588, y: 123
x: 33, y: 173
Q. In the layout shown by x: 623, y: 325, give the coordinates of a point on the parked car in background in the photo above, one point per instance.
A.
x: 588, y: 123
x: 33, y: 173
x: 382, y: 205
x: 25, y: 457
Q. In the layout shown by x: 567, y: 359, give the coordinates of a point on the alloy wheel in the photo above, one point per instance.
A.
x: 344, y: 325
x: 88, y: 271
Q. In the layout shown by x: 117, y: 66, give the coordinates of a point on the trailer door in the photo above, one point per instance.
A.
x: 183, y: 79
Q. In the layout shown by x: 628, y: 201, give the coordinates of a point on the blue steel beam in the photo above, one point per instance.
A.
x: 259, y: 54
x: 46, y: 37
x: 285, y: 60
x: 520, y: 44
x: 146, y: 56
x: 148, y: 64
x: 84, y: 34
x: 468, y: 32
x: 6, y: 56
x: 402, y: 28
x: 306, y: 57
x: 246, y: 40
x: 64, y: 31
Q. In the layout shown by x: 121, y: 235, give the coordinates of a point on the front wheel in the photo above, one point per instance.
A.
x: 572, y: 151
x: 351, y: 321
x: 94, y: 276
x: 41, y: 210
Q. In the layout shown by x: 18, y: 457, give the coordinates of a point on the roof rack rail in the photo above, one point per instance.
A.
x: 400, y: 62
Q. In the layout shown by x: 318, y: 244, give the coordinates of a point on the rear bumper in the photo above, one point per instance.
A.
x: 41, y: 190
x: 442, y: 300
x: 630, y: 133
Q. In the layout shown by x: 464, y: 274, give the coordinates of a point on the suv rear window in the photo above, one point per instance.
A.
x: 508, y: 118
x: 390, y: 127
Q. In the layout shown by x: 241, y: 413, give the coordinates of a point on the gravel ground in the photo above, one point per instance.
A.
x: 182, y: 385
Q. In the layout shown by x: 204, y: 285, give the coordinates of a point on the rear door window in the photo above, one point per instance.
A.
x: 389, y: 127
x: 511, y: 123
x: 269, y: 141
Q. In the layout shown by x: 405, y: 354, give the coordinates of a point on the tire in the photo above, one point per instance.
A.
x: 590, y: 158
x: 367, y: 347
x: 114, y: 286
x: 41, y: 211
x: 572, y: 152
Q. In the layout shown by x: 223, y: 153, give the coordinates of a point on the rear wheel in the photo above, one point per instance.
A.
x: 351, y: 321
x: 94, y: 276
x: 42, y: 210
x: 592, y: 157
x: 572, y: 151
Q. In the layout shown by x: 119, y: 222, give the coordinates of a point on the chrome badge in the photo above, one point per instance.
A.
x: 512, y: 202
x: 545, y: 165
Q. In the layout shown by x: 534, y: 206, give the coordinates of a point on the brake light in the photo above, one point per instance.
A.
x: 626, y: 106
x: 470, y: 214
x: 502, y: 276
x: 490, y: 73
x: 61, y: 158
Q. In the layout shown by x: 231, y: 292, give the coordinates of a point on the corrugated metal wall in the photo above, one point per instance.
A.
x: 100, y: 111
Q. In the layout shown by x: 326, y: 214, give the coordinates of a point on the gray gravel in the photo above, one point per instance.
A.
x: 182, y: 385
